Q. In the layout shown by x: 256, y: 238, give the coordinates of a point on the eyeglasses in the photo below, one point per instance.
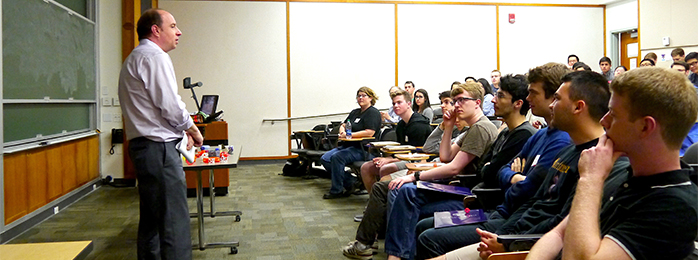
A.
x: 361, y: 96
x: 461, y: 100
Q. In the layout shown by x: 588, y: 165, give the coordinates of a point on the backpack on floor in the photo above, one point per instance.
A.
x: 293, y: 168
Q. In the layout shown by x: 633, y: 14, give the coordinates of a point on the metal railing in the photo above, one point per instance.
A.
x: 272, y: 120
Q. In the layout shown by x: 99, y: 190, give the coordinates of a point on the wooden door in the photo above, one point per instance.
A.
x: 628, y: 51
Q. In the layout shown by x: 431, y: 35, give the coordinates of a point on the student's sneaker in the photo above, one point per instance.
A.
x: 356, y: 250
x: 358, y: 218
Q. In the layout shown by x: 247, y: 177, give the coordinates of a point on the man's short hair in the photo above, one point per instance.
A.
x: 403, y: 93
x: 445, y: 94
x: 677, y: 52
x: 605, y: 59
x: 500, y: 73
x: 581, y: 65
x: 681, y: 63
x: 550, y: 75
x: 410, y: 82
x: 664, y: 94
x: 648, y: 59
x: 572, y: 55
x: 592, y: 88
x: 691, y: 55
x: 370, y: 94
x: 149, y: 18
x: 473, y: 89
x: 517, y: 87
x: 651, y: 55
x: 469, y: 77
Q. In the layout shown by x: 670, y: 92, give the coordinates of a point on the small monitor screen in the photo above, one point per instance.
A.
x: 209, y: 104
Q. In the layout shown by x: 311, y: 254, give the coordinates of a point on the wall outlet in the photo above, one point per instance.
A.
x: 55, y: 210
x: 116, y: 117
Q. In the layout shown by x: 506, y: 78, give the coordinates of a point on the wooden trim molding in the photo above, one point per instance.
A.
x: 268, y: 158
x: 396, y: 60
x: 288, y: 71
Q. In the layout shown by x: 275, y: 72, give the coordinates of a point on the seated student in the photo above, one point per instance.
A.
x: 408, y: 201
x: 397, y: 168
x: 581, y: 66
x: 373, y: 219
x: 413, y: 132
x: 440, y: 110
x: 647, y: 63
x: 390, y: 116
x: 653, y: 213
x: 487, y: 106
x: 434, y: 140
x: 365, y: 122
x: 422, y: 105
x: 605, y: 66
x: 692, y: 60
x: 579, y: 104
x: 619, y: 70
x: 678, y: 54
x: 511, y: 105
x: 571, y: 60
x: 522, y: 177
x: 651, y: 56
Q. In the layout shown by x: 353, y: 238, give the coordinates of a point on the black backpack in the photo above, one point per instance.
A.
x: 293, y: 168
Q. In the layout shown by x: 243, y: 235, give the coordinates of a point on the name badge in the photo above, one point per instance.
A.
x: 357, y: 120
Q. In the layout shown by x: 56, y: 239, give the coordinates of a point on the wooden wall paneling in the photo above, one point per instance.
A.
x: 93, y: 158
x: 54, y: 172
x: 81, y: 167
x: 16, y: 198
x: 37, y: 178
x: 68, y: 154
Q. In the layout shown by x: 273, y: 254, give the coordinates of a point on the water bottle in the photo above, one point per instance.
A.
x: 347, y: 127
x: 217, y: 153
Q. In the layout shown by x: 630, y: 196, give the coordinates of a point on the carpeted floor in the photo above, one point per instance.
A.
x: 283, y: 218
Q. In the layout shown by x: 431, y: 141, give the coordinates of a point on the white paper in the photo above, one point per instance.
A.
x: 632, y: 50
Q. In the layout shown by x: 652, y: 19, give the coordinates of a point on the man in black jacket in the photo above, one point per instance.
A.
x: 413, y: 129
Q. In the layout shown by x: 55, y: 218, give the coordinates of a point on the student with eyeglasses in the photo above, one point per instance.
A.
x: 365, y: 122
x: 421, y: 104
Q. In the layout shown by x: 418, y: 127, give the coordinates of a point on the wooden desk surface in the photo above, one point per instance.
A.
x: 412, y: 157
x: 54, y: 250
x: 423, y: 166
x: 356, y: 139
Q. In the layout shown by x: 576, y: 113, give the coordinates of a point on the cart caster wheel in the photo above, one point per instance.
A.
x: 233, y: 250
x: 237, y: 218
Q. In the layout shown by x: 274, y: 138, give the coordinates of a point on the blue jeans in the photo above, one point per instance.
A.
x: 334, y: 161
x: 432, y: 242
x: 407, y: 206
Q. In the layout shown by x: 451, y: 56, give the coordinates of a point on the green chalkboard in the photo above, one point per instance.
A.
x: 55, y: 119
x: 47, y: 52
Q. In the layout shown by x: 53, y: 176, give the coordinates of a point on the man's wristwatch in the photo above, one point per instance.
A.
x: 416, y: 176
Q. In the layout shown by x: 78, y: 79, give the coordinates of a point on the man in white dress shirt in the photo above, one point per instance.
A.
x: 155, y: 120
